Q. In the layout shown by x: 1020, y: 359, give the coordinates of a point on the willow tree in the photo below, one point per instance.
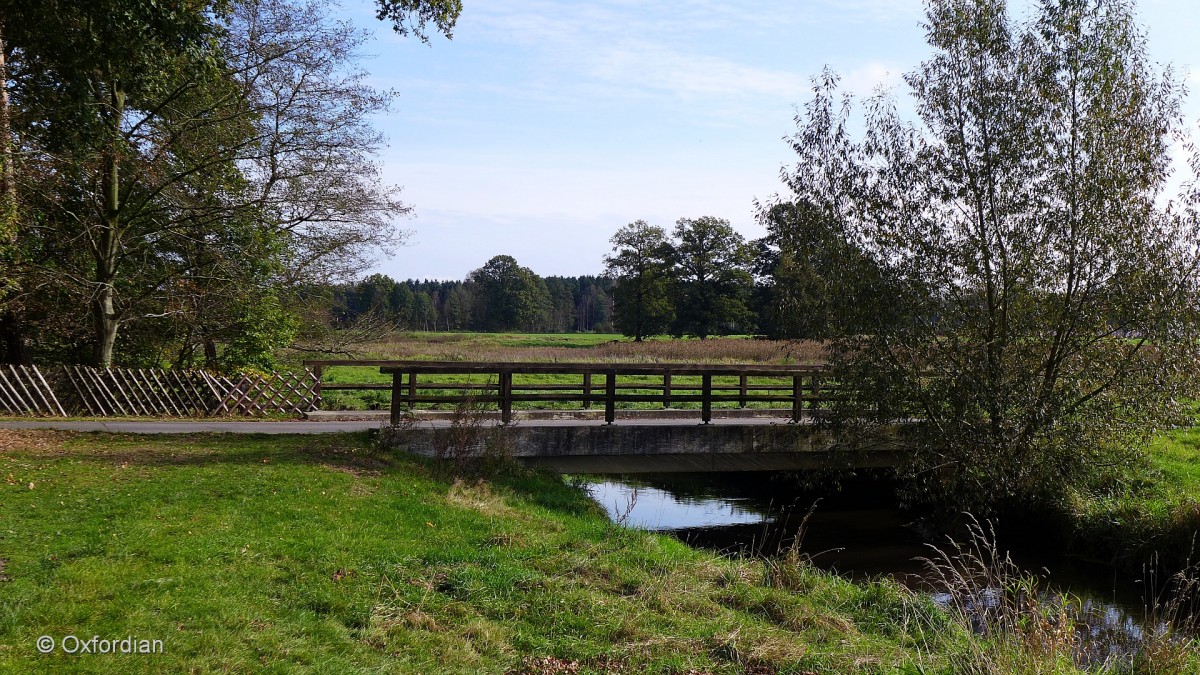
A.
x: 1047, y: 287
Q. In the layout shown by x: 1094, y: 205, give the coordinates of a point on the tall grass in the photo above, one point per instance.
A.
x: 1021, y: 627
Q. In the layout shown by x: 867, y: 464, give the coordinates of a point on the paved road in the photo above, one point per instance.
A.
x: 311, y: 427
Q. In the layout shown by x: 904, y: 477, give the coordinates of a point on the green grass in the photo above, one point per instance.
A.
x: 319, y: 554
x: 562, y: 348
x: 282, y: 554
x: 1149, y: 510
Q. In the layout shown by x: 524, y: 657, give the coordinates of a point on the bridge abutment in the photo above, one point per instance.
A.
x: 651, y: 448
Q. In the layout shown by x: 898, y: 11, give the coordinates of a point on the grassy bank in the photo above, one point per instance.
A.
x: 1147, y: 512
x: 287, y: 554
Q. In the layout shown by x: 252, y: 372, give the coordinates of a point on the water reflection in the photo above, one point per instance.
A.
x: 860, y: 533
x: 650, y: 508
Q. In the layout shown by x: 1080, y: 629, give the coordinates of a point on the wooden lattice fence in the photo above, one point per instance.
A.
x: 24, y: 391
x: 108, y: 392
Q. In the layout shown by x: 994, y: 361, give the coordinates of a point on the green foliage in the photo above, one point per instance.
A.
x: 509, y: 297
x: 177, y: 158
x: 264, y: 327
x: 411, y: 16
x: 1048, y: 298
x: 710, y: 264
x: 640, y: 266
x: 817, y: 283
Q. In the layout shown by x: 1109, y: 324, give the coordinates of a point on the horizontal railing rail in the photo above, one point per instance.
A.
x: 803, y: 390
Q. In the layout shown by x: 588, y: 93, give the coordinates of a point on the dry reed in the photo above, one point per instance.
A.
x: 470, y: 347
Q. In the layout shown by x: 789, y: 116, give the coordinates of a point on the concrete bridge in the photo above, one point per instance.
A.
x: 668, y: 417
x: 647, y: 445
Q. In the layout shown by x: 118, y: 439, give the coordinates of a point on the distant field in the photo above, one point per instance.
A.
x: 587, y: 347
x: 552, y: 347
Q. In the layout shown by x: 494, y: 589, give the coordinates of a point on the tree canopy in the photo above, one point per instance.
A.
x: 509, y: 297
x: 640, y: 264
x: 1047, y: 287
x: 179, y: 169
x: 711, y: 268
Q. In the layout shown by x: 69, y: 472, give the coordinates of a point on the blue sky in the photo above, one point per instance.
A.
x: 546, y: 125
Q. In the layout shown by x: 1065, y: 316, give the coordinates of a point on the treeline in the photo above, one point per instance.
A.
x: 501, y: 296
x: 805, y: 279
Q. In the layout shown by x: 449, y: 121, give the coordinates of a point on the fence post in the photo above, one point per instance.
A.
x: 587, y: 389
x: 742, y: 386
x: 505, y: 397
x: 706, y: 398
x: 797, y: 392
x: 667, y: 389
x: 397, y: 393
x: 610, y: 396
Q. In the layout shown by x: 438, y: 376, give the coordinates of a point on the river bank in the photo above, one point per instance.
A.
x: 293, y: 554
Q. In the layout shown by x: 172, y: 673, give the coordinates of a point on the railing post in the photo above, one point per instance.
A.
x: 397, y: 392
x: 505, y: 397
x: 667, y: 389
x: 610, y: 396
x: 706, y: 398
x: 797, y: 400
x: 412, y: 389
x: 742, y: 386
x: 587, y: 389
x: 816, y: 390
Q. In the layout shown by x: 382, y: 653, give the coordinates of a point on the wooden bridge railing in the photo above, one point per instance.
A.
x: 801, y: 388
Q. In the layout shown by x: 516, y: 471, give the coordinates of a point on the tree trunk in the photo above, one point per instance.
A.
x: 106, y: 245
x: 8, y: 187
x: 106, y: 324
x: 210, y: 354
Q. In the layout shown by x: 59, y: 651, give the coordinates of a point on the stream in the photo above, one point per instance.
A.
x: 857, y: 532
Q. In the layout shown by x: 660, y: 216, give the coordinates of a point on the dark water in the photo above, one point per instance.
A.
x: 858, y: 532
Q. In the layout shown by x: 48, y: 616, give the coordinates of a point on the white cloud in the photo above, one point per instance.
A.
x: 649, y: 66
x: 866, y: 79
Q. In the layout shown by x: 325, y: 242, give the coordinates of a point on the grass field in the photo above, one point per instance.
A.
x: 317, y: 554
x: 557, y: 347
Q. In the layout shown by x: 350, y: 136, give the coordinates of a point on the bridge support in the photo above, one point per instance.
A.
x: 654, y: 448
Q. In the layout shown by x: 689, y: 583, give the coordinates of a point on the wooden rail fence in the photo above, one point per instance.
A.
x: 107, y: 392
x: 802, y: 389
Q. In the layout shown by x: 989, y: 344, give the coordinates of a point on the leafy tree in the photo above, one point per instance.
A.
x: 710, y: 263
x: 151, y: 128
x: 1049, y: 292
x: 816, y: 283
x: 509, y: 297
x: 458, y: 307
x: 640, y: 266
x: 412, y: 16
x: 374, y: 295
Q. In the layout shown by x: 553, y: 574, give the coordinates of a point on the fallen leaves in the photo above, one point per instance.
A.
x: 41, y: 440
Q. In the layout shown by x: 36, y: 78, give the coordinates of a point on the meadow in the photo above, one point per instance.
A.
x: 327, y: 554
x: 551, y: 348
